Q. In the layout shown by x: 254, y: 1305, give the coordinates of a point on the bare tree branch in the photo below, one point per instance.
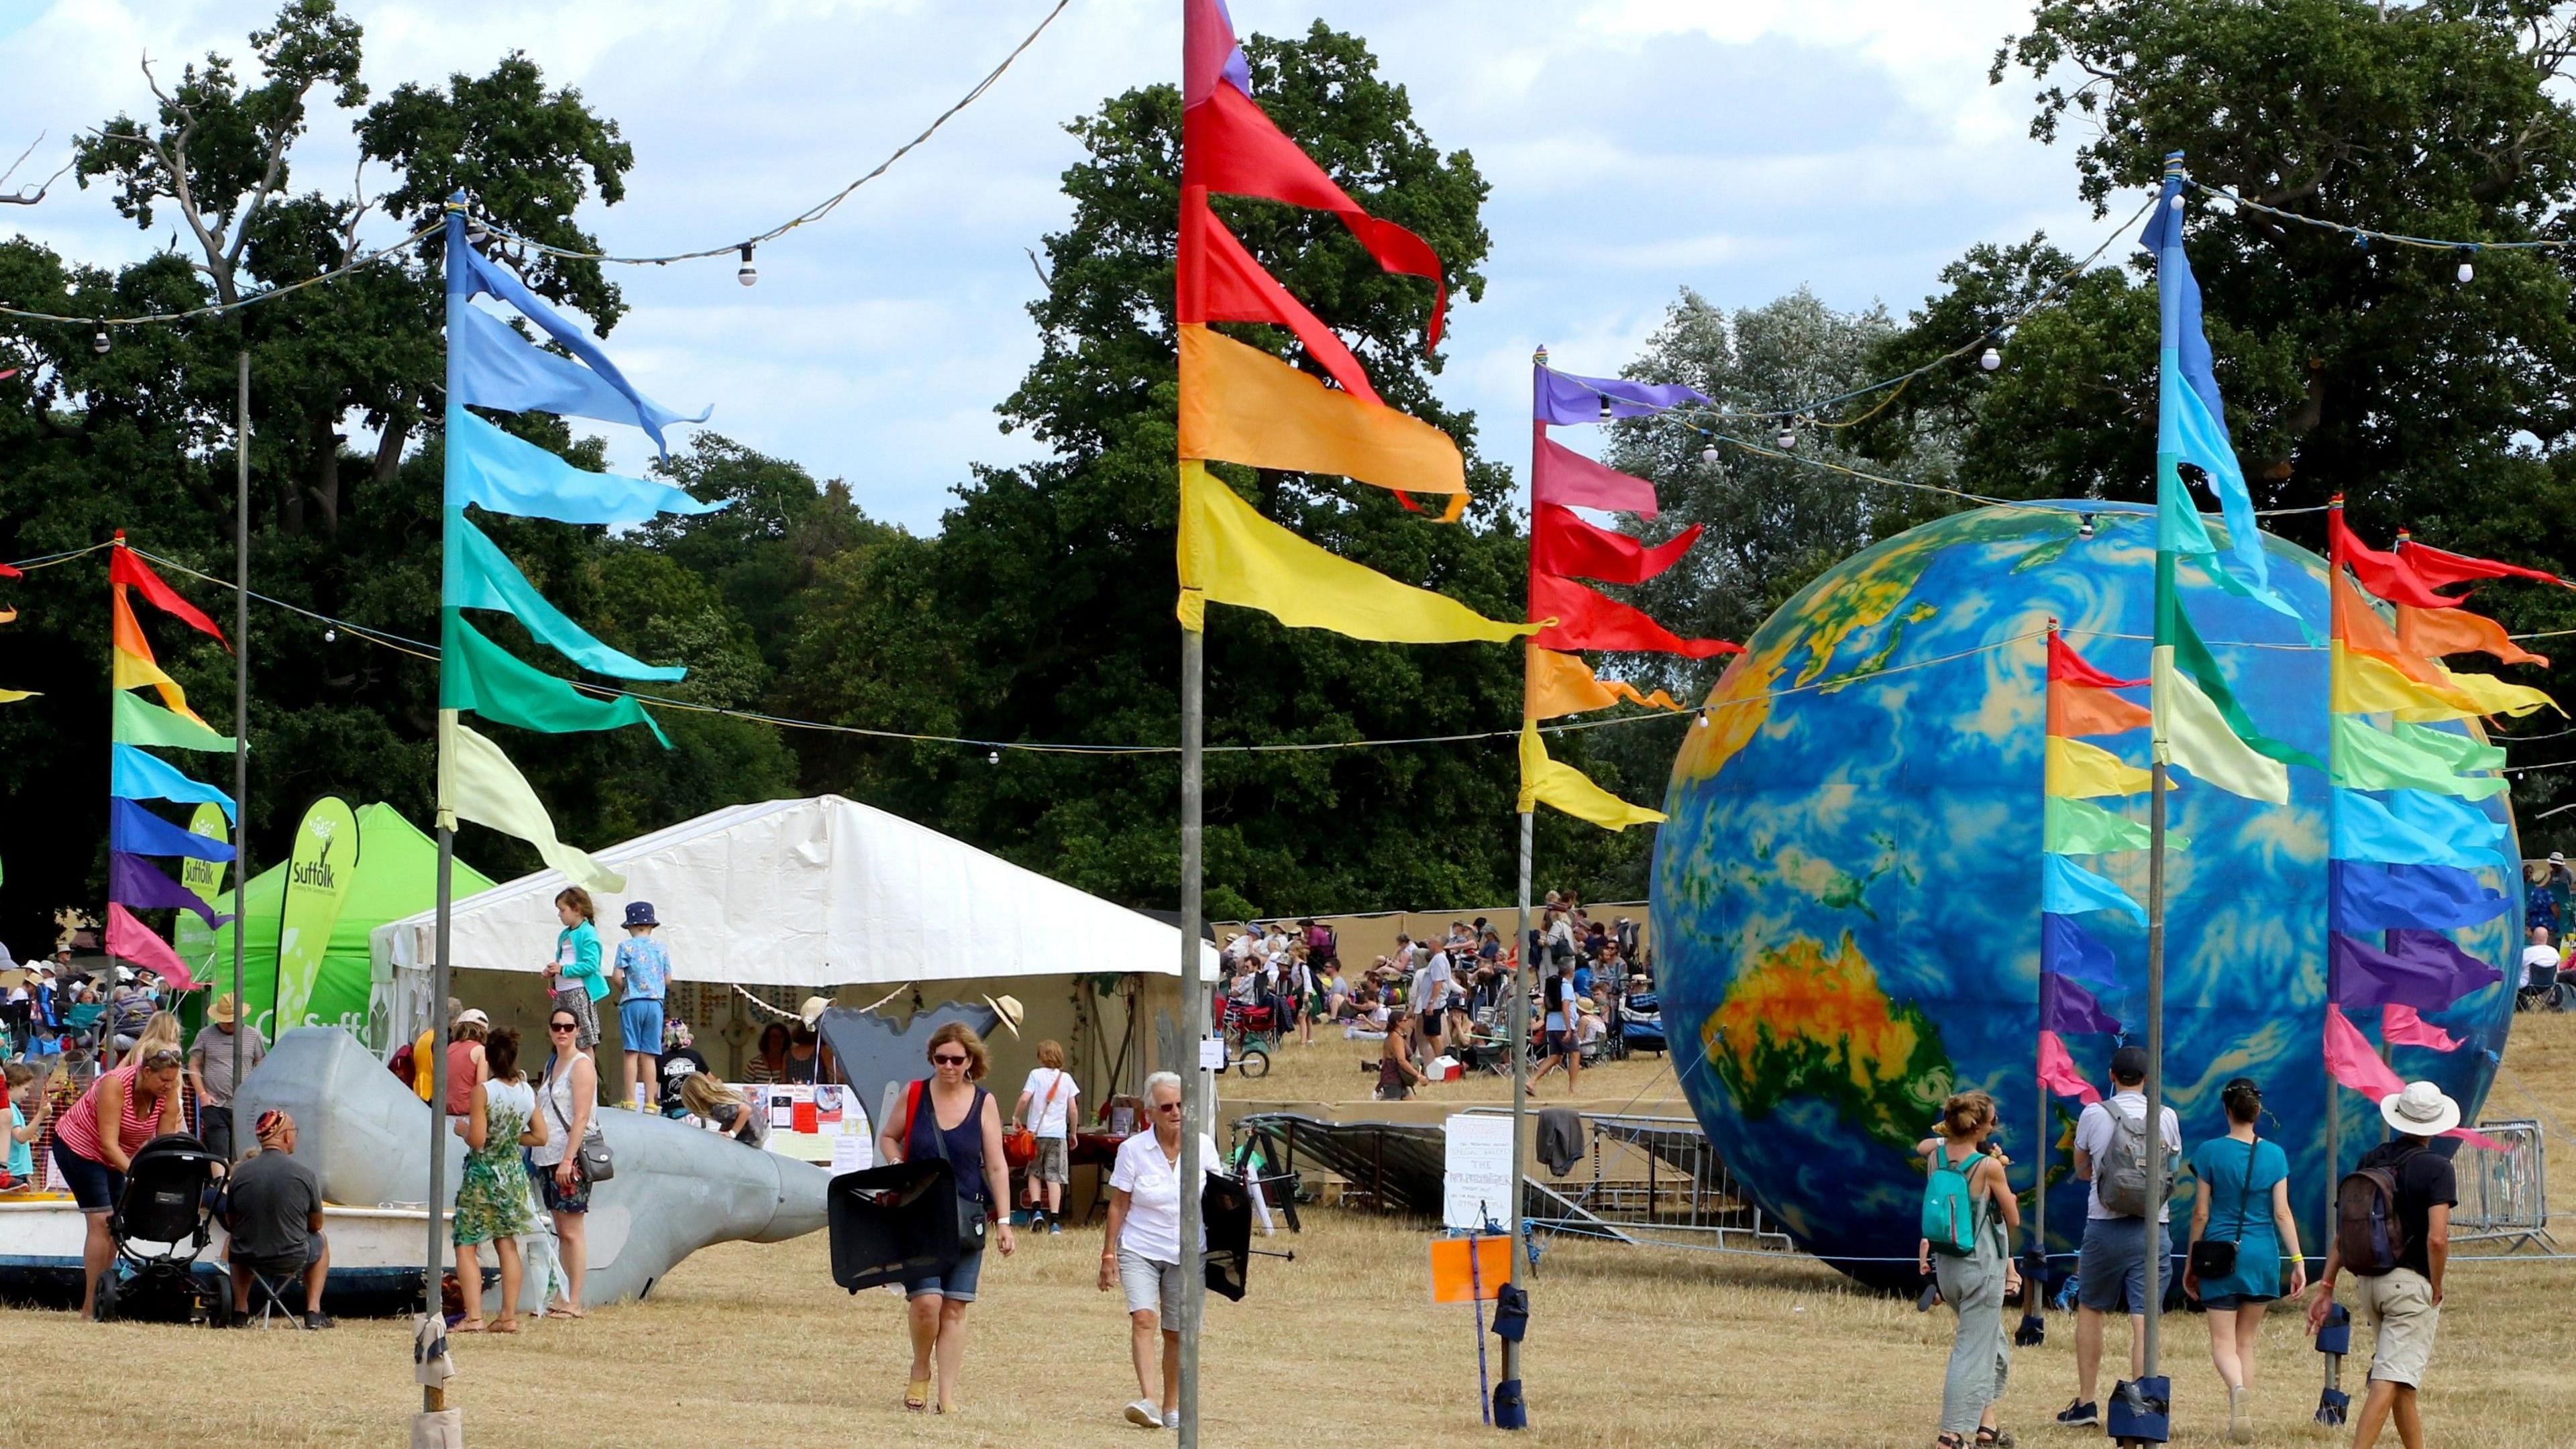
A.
x: 23, y: 197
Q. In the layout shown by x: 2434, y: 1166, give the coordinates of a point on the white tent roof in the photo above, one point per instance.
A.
x: 819, y: 892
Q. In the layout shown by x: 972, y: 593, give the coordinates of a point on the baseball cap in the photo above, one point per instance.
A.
x: 2129, y: 1061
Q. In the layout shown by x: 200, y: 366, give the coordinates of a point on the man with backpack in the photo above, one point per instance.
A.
x: 2111, y: 1270
x: 2393, y: 1232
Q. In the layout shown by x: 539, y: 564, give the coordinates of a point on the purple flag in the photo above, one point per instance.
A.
x: 2066, y: 1008
x: 133, y: 880
x: 2421, y: 969
x: 1562, y: 397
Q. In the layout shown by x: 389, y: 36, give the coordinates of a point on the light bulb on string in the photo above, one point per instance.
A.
x: 1991, y: 359
x: 1605, y: 407
x: 2468, y: 269
x: 993, y: 757
x: 1788, y: 439
x: 99, y: 344
x: 1708, y: 454
x: 330, y: 636
x: 747, y: 274
x: 1699, y: 722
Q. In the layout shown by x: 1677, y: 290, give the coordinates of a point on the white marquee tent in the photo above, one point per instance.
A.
x: 820, y: 893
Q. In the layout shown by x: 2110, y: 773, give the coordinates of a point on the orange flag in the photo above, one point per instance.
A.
x: 1242, y: 405
x: 1562, y: 684
x: 2435, y: 632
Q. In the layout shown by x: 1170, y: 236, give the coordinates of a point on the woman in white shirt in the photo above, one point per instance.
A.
x: 1142, y: 1251
x: 1046, y: 1105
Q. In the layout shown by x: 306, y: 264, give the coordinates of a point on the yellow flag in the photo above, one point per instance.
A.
x: 2491, y: 695
x: 1570, y: 790
x: 1562, y: 684
x: 132, y: 673
x: 2364, y: 683
x: 12, y: 696
x: 2078, y: 771
x: 1230, y: 554
x: 1242, y: 405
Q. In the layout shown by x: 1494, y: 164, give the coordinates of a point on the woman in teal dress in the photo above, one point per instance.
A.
x: 2243, y: 1198
x: 492, y: 1201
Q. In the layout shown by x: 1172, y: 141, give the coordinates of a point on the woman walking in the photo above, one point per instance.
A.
x: 1142, y: 1250
x: 2241, y: 1232
x: 566, y: 1098
x: 501, y: 1117
x: 1563, y: 1018
x: 95, y: 1140
x: 1047, y: 1105
x: 949, y: 1116
x: 1975, y: 1282
x: 1397, y: 1075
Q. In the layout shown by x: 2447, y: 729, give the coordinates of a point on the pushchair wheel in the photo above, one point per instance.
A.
x: 1253, y: 1063
x: 105, y: 1306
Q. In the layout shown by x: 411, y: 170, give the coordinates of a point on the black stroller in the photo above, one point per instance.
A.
x: 161, y: 1224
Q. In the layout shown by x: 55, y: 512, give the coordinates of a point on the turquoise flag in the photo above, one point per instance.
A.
x: 134, y: 775
x: 2364, y: 829
x: 2068, y: 889
x: 486, y: 579
x: 490, y: 469
x: 479, y: 675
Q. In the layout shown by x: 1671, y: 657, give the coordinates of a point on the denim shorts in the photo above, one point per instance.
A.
x: 2111, y: 1270
x: 955, y: 1282
x: 2230, y: 1302
x: 95, y: 1185
x: 639, y: 1024
x: 573, y: 1199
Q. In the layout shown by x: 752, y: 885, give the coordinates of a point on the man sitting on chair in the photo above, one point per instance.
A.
x: 274, y: 1212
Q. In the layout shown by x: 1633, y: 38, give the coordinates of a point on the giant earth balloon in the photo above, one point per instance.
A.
x: 1847, y: 894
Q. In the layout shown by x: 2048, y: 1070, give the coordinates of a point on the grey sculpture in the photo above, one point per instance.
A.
x: 677, y: 1188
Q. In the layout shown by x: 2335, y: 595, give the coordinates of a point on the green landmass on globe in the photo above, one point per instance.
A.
x: 1801, y: 1020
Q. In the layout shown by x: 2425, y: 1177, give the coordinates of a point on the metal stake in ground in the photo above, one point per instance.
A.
x: 1194, y: 1014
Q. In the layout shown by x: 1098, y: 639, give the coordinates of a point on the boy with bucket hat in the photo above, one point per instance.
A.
x: 2393, y: 1231
x: 644, y: 968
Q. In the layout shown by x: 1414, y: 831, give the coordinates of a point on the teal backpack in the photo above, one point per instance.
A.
x: 1949, y: 1208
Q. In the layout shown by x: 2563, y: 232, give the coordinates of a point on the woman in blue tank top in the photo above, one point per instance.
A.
x: 950, y: 1116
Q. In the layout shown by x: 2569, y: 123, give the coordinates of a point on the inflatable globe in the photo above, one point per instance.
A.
x: 1847, y: 894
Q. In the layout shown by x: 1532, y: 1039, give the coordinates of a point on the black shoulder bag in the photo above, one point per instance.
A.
x: 2216, y: 1257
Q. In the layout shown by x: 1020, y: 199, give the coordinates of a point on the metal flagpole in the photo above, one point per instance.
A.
x: 241, y: 725
x: 1194, y: 1115
x: 2032, y: 1292
x: 1518, y: 1004
x: 434, y: 1397
x: 2334, y: 802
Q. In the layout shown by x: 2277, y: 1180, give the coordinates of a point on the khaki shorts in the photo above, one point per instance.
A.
x: 1049, y: 1164
x: 2400, y: 1301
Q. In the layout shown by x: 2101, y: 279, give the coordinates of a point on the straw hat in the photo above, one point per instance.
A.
x: 1009, y: 1007
x: 2422, y: 1110
x: 221, y: 1013
x: 813, y: 1008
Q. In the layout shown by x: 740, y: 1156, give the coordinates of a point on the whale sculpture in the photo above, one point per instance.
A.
x: 677, y: 1188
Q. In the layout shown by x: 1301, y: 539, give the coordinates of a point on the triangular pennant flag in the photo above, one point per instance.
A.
x: 478, y: 675
x: 2067, y: 1009
x: 492, y: 470
x: 1563, y: 397
x: 136, y: 881
x: 2068, y: 889
x: 131, y: 941
x: 124, y: 568
x: 497, y: 368
x: 1586, y: 618
x: 2487, y: 695
x: 2370, y: 896
x: 1230, y: 554
x: 1561, y: 684
x: 2366, y: 683
x: 2364, y: 829
x: 2441, y: 569
x: 2057, y: 1070
x: 137, y: 831
x: 2366, y: 759
x: 2072, y: 826
x: 1545, y: 781
x: 1242, y: 405
x: 2193, y: 658
x: 2075, y: 709
x: 2202, y: 743
x: 1565, y: 545
x: 132, y: 721
x: 130, y: 661
x: 2069, y: 950
x: 2460, y: 750
x: 2351, y: 1060
x: 2435, y: 632
x: 1558, y: 474
x: 2078, y: 771
x: 2422, y: 969
x: 2403, y: 1026
x: 134, y: 775
x: 1232, y: 287
x: 2065, y: 666
x: 484, y: 787
x: 2385, y: 575
x: 486, y: 579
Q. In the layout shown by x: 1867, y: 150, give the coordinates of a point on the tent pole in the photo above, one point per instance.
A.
x: 1195, y: 1116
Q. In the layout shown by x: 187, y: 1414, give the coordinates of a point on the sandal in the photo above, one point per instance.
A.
x: 563, y: 1313
x: 1947, y: 1440
x: 2000, y: 1437
x: 467, y: 1325
x: 506, y: 1325
x: 916, y: 1395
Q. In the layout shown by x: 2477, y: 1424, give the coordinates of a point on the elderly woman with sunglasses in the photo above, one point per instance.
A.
x: 948, y: 1116
x: 1142, y: 1250
x: 95, y: 1141
x: 567, y: 1095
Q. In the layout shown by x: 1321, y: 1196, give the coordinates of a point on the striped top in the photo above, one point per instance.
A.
x: 78, y: 1129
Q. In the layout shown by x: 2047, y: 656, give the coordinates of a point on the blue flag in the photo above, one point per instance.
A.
x: 2364, y: 829
x: 134, y: 775
x: 490, y: 469
x: 2068, y: 889
x: 2372, y: 897
x: 2069, y: 950
x: 137, y: 831
x: 497, y: 368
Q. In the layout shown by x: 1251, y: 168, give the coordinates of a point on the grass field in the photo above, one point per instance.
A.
x: 748, y: 1345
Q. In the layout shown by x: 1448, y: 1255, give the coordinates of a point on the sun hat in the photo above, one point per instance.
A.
x: 1009, y: 1007
x: 813, y: 1008
x: 221, y: 1013
x: 640, y: 913
x: 472, y: 1016
x: 2422, y: 1110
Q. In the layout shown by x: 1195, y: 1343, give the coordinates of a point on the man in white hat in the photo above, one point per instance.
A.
x: 2400, y: 1285
x: 210, y: 1071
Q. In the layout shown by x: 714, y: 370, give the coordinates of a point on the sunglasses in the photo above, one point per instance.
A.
x: 563, y: 1026
x: 945, y: 1060
x: 1167, y: 1106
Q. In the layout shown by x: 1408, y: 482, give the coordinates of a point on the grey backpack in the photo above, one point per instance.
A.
x: 2121, y: 1178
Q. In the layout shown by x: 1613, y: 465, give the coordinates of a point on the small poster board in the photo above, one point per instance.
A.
x: 1471, y: 1269
x: 1478, y: 1170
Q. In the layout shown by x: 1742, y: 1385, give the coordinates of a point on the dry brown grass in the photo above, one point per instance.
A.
x: 747, y: 1345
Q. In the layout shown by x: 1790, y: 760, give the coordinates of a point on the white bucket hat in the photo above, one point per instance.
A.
x: 2422, y: 1110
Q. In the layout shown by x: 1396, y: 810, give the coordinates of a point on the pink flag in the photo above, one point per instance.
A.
x: 1562, y: 475
x: 130, y: 940
x: 2057, y: 1070
x: 2402, y: 1026
x: 2353, y: 1061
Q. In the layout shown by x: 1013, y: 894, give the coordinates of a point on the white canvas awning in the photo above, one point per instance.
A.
x: 820, y: 893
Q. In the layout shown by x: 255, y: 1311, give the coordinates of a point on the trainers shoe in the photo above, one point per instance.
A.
x: 1055, y: 1227
x: 1172, y: 1419
x: 2080, y: 1415
x: 318, y: 1319
x: 1144, y: 1414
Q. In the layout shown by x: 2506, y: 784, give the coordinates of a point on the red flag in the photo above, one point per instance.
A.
x: 1558, y: 474
x: 1589, y: 619
x: 1231, y: 287
x: 124, y: 568
x: 2384, y: 574
x: 1229, y: 144
x: 1565, y: 545
x: 2441, y: 569
x: 7, y: 572
x: 2065, y: 666
x: 2057, y: 1071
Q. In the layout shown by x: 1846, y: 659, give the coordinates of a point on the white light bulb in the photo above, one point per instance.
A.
x: 993, y: 757
x: 1700, y: 723
x: 1788, y: 437
x: 747, y: 274
x: 2467, y: 272
x: 330, y: 636
x: 2084, y: 526
x: 1605, y: 407
x: 99, y: 344
x: 1708, y: 454
x: 1990, y: 360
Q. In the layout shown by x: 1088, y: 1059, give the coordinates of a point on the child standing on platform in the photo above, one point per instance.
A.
x: 643, y: 968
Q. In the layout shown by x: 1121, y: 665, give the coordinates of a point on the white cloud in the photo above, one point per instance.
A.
x: 1740, y: 147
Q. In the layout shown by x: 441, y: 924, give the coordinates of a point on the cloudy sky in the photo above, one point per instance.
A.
x: 1738, y: 147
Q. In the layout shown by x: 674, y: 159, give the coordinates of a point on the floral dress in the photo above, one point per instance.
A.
x: 492, y: 1202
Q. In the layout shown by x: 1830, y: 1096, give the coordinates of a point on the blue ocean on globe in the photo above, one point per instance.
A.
x: 1847, y: 893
